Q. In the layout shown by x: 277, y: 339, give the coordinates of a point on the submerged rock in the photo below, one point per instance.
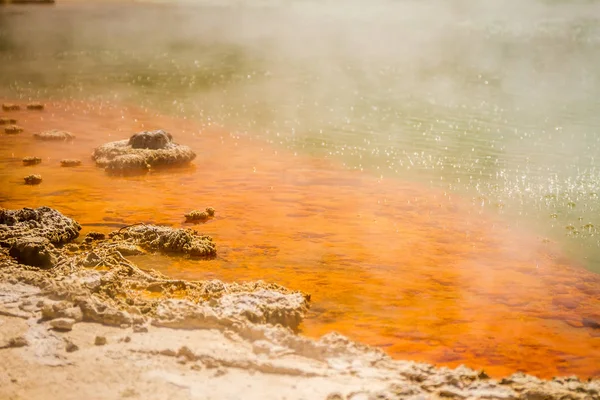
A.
x: 33, y: 179
x: 7, y: 121
x: 142, y: 151
x: 70, y: 162
x: 31, y: 160
x: 13, y: 129
x: 54, y: 135
x: 10, y: 107
x: 35, y: 106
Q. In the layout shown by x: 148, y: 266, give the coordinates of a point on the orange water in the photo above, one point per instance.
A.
x: 418, y: 272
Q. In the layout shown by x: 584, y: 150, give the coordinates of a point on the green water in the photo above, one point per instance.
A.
x: 496, y: 102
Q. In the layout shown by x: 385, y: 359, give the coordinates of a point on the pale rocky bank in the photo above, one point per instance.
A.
x: 79, y: 320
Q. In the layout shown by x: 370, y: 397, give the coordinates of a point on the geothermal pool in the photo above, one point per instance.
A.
x: 427, y: 172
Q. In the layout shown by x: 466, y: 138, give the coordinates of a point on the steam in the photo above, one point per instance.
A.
x: 495, y: 99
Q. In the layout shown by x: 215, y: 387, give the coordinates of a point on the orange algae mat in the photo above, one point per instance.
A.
x: 421, y: 274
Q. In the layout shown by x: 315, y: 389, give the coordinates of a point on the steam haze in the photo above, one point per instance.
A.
x: 497, y: 101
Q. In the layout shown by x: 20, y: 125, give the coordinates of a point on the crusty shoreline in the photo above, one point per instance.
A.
x: 94, y: 320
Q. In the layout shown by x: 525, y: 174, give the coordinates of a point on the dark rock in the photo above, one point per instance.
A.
x: 33, y: 251
x: 70, y: 346
x: 18, y: 341
x: 13, y: 129
x: 7, y: 121
x: 33, y: 179
x: 35, y: 106
x: 152, y: 140
x: 10, y: 107
x: 590, y: 323
x: 95, y: 235
x: 100, y: 341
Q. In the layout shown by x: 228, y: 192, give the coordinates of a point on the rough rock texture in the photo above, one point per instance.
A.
x: 168, y: 240
x: 205, y: 339
x: 62, y: 324
x: 197, y: 215
x: 10, y: 107
x: 31, y: 160
x: 43, y: 222
x: 30, y: 235
x: 215, y: 356
x: 94, y: 282
x: 54, y: 135
x: 70, y: 162
x: 33, y: 179
x: 7, y: 121
x: 141, y: 152
x: 13, y: 129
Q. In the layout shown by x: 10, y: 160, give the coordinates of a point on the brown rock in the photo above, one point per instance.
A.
x: 10, y: 107
x: 13, y: 129
x: 35, y: 106
x: 100, y: 341
x: 31, y: 160
x: 62, y: 324
x: 7, y: 121
x: 54, y: 135
x: 33, y: 179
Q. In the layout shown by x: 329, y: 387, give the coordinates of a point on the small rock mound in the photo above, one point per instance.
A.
x: 35, y: 106
x: 54, y: 135
x: 168, y: 240
x: 33, y: 179
x: 70, y: 162
x: 10, y: 107
x: 7, y: 121
x: 197, y: 215
x: 13, y: 129
x: 31, y: 160
x: 141, y: 152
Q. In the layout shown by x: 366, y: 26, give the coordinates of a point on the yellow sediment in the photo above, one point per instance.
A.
x: 388, y: 263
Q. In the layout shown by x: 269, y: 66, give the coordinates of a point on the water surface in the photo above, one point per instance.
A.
x: 427, y: 171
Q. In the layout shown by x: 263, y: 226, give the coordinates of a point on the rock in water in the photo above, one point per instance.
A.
x: 31, y: 160
x: 7, y: 121
x: 168, y: 240
x: 70, y: 162
x: 142, y: 151
x: 152, y: 140
x: 54, y: 135
x: 35, y: 106
x: 33, y: 179
x: 13, y: 129
x: 10, y: 107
